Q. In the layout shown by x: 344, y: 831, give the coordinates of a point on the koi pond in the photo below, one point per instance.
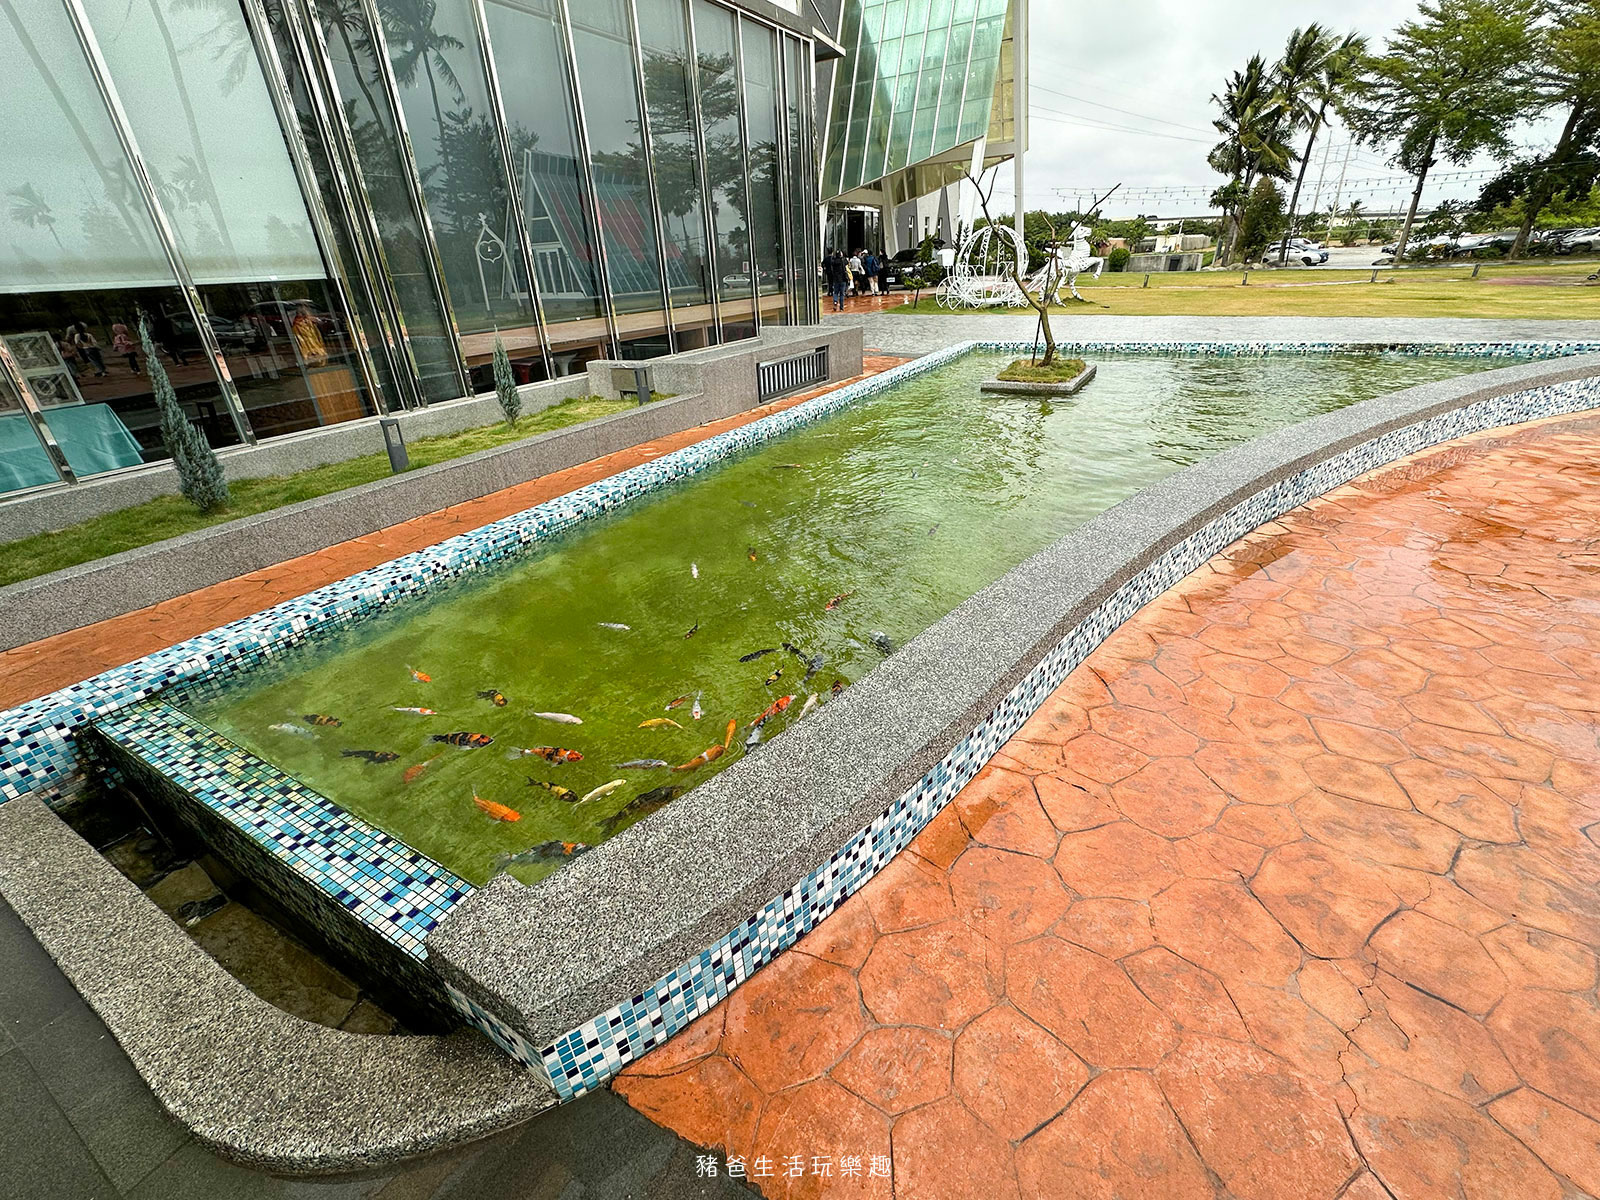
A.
x: 521, y: 716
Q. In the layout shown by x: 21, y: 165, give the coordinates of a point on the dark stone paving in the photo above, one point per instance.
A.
x: 77, y: 1123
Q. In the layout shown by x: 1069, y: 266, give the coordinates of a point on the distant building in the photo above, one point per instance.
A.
x: 925, y: 93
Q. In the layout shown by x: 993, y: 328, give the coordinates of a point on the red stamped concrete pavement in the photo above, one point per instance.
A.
x: 1292, y: 890
x: 54, y: 662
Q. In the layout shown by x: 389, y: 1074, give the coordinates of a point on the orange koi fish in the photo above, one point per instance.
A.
x: 498, y: 812
x: 412, y: 774
x: 467, y: 741
x: 418, y: 677
x: 321, y: 719
x: 660, y: 722
x: 727, y: 738
x: 554, y: 754
x: 678, y: 703
x: 778, y: 706
x: 836, y: 601
x: 751, y: 551
x: 709, y: 754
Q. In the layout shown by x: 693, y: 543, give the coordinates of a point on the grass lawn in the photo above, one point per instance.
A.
x: 1501, y: 290
x: 169, y: 516
x: 1063, y: 370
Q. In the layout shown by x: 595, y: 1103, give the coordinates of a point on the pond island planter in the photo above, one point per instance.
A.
x: 1061, y: 387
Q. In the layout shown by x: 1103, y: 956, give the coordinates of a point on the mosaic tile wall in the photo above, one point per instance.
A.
x: 40, y: 751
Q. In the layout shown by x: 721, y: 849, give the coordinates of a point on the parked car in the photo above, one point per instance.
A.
x: 1576, y: 241
x: 1306, y: 252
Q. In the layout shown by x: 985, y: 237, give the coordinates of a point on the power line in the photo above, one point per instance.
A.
x: 1127, y: 112
x: 1083, y: 122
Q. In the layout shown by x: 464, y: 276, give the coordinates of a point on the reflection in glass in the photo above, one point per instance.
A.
x: 803, y: 263
x: 761, y: 126
x: 981, y: 69
x: 664, y: 34
x: 80, y: 263
x: 536, y: 90
x: 351, y: 48
x: 714, y: 32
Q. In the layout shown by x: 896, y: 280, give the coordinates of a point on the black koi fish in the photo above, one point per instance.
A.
x: 372, y: 756
x: 755, y: 654
x: 641, y: 805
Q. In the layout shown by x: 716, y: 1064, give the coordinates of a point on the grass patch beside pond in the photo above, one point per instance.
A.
x: 170, y: 516
x: 1063, y: 370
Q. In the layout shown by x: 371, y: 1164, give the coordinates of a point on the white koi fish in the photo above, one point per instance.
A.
x: 694, y: 570
x: 615, y: 625
x: 695, y: 711
x: 605, y: 789
x: 811, y: 702
x: 297, y: 730
x: 562, y: 718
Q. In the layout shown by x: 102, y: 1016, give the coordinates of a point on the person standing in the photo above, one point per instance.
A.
x: 84, y: 342
x: 857, y: 284
x: 834, y: 269
x: 869, y: 264
x: 122, y: 343
x: 883, y: 271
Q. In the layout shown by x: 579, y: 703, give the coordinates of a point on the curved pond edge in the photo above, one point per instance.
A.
x: 532, y: 967
x: 678, y: 911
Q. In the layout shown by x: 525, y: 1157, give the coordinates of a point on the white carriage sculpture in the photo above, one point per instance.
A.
x: 991, y: 261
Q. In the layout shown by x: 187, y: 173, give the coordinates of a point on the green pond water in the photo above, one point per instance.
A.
x: 906, y: 504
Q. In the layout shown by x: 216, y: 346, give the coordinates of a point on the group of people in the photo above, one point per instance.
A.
x: 862, y: 273
x: 81, y: 350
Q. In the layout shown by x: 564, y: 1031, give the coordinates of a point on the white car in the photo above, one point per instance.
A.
x: 1301, y: 250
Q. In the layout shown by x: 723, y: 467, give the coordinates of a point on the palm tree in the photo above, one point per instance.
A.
x: 30, y: 208
x: 1338, y: 63
x: 410, y: 23
x: 1252, y: 127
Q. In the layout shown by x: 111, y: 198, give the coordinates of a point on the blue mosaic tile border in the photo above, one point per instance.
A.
x: 588, y: 1056
x: 385, y: 884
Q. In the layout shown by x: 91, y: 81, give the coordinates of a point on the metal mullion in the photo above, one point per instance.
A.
x: 158, y: 216
x: 35, y: 414
x: 938, y: 102
x: 780, y: 91
x: 648, y: 144
x: 344, y: 168
x: 707, y: 217
x: 744, y: 157
x: 813, y: 186
x: 569, y: 46
x: 419, y: 203
x: 300, y: 156
x: 497, y: 112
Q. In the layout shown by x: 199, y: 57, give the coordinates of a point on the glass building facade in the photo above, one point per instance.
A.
x: 327, y: 209
x: 919, y: 79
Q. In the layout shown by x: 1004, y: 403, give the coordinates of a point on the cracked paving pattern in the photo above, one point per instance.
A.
x: 1291, y: 890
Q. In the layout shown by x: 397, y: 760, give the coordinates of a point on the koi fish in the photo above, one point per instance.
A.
x: 694, y: 570
x: 755, y: 654
x: 421, y: 712
x: 811, y: 702
x: 778, y: 706
x: 642, y: 764
x: 562, y: 718
x: 544, y: 852
x: 417, y: 676
x: 321, y: 719
x: 692, y: 632
x: 836, y: 601
x: 555, y: 789
x: 754, y: 740
x: 678, y: 703
x: 615, y: 625
x: 838, y: 686
x: 709, y: 755
x: 660, y: 722
x: 774, y: 677
x: 728, y: 737
x: 498, y: 812
x: 605, y: 789
x: 785, y: 466
x: 751, y: 551
x: 813, y: 667
x: 795, y: 650
x: 494, y: 697
x: 640, y: 806
x: 297, y: 730
x: 747, y: 503
x: 467, y: 741
x: 933, y: 531
x: 881, y: 642
x: 696, y: 712
x: 411, y: 774
x: 372, y: 756
x: 554, y: 754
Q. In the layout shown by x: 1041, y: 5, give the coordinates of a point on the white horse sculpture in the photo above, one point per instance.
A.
x: 1065, y: 264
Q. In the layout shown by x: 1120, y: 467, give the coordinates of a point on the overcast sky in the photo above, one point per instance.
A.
x: 1149, y: 68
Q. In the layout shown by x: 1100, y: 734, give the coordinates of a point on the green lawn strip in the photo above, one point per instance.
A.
x: 170, y: 516
x: 1063, y: 370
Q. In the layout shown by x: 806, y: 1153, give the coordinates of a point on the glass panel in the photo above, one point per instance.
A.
x: 725, y: 165
x: 664, y: 32
x: 981, y: 70
x: 955, y: 74
x: 381, y: 172
x: 608, y: 85
x: 536, y: 88
x: 79, y: 264
x: 802, y: 208
x: 930, y: 72
x: 761, y: 124
x: 24, y: 462
x: 843, y: 90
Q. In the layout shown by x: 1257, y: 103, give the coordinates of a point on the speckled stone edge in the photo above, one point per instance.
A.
x: 647, y: 915
x: 1012, y: 387
x: 249, y: 1081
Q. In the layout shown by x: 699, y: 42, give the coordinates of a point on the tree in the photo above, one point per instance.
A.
x: 1041, y: 304
x: 1338, y: 61
x: 505, y: 384
x: 1262, y: 218
x: 1566, y: 73
x: 200, y: 477
x: 1252, y: 124
x: 1448, y: 86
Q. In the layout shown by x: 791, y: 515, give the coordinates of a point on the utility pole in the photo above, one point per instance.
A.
x: 1337, y: 191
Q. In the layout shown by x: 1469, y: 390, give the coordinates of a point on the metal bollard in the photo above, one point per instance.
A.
x: 1476, y: 267
x: 1245, y: 282
x: 1374, y: 278
x: 394, y: 441
x: 1147, y: 281
x: 641, y: 384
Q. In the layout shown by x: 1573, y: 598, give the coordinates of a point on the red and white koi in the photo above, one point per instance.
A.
x: 421, y: 712
x: 709, y: 755
x: 417, y: 676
